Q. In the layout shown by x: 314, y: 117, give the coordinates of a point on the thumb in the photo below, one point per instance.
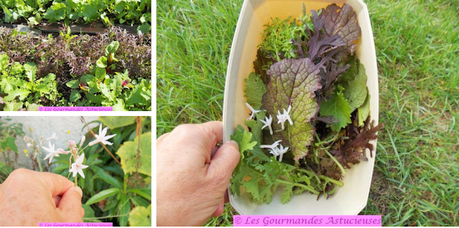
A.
x: 70, y: 205
x: 224, y: 161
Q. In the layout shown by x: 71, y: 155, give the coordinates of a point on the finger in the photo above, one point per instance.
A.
x: 56, y: 183
x: 219, y: 210
x: 215, y: 129
x: 161, y: 138
x: 226, y: 196
x: 70, y: 204
x: 225, y: 160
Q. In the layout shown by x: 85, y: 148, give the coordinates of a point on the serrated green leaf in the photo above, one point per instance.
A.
x: 43, y: 88
x: 106, y: 92
x: 18, y: 92
x: 8, y: 85
x: 243, y: 139
x: 96, y: 99
x: 102, y: 195
x: 119, y: 106
x: 286, y: 194
x: 74, y: 84
x: 140, y: 216
x: 337, y: 107
x: 16, y: 70
x: 129, y: 156
x: 114, y: 122
x: 31, y: 71
x: 75, y: 95
x: 3, y: 62
x: 33, y: 107
x: 136, y: 96
x: 12, y: 106
x: 56, y: 12
x: 254, y: 90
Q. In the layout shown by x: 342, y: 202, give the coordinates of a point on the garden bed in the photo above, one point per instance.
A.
x: 112, y: 68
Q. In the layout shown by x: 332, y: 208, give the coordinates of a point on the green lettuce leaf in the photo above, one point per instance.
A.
x: 337, y: 107
x: 293, y: 82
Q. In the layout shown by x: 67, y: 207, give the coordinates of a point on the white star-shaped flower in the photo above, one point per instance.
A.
x: 51, y: 152
x: 78, y: 166
x: 101, y: 137
x: 272, y: 146
x: 281, y: 151
x: 252, y: 110
x: 52, y: 137
x: 284, y: 117
x: 267, y: 122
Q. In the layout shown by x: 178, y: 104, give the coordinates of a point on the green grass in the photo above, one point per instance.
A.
x: 416, y: 175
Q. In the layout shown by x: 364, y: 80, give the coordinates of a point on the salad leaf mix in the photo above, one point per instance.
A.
x: 309, y: 108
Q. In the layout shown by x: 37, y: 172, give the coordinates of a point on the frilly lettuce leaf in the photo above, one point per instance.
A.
x: 293, y: 82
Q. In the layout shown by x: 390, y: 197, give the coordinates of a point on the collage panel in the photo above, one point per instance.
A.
x: 90, y: 169
x: 56, y: 56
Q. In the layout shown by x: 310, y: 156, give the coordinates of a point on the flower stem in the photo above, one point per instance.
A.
x: 339, y: 183
x: 39, y: 161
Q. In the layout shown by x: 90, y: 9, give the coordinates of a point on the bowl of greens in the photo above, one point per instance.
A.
x: 301, y: 100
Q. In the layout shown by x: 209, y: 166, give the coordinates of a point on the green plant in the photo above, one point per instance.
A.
x: 114, y: 190
x: 95, y: 77
x: 106, y: 11
x: 8, y: 133
x: 20, y: 81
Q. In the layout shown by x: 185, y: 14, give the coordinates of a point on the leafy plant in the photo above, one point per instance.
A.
x: 117, y: 191
x: 106, y: 11
x: 85, y: 64
x: 323, y: 95
x: 8, y: 133
x: 20, y: 81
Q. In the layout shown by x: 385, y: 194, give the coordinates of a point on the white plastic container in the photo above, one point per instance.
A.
x: 352, y: 197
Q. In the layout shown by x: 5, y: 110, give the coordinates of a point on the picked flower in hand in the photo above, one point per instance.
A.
x: 78, y: 166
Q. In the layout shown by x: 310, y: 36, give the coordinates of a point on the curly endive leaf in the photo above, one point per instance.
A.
x: 293, y: 82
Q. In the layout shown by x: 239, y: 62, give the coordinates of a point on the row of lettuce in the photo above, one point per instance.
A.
x: 111, y: 69
x: 109, y: 12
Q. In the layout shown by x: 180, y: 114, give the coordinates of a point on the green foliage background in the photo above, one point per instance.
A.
x: 417, y: 44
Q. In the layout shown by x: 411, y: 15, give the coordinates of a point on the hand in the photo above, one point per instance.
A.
x: 28, y: 198
x: 191, y: 182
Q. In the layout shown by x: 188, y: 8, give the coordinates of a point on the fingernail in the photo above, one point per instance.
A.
x: 78, y: 189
